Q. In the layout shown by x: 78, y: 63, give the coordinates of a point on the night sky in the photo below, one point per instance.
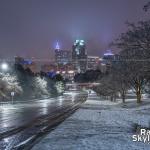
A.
x: 31, y: 28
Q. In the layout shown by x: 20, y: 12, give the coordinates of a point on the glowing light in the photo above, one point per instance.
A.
x: 27, y: 62
x: 108, y: 53
x: 77, y: 41
x: 64, y: 72
x: 81, y: 43
x: 71, y: 72
x: 57, y: 46
x: 58, y: 72
x: 4, y: 66
x: 77, y: 51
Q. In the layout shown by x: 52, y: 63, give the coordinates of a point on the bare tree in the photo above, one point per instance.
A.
x: 146, y: 7
x: 119, y: 76
x: 135, y: 53
x: 108, y: 88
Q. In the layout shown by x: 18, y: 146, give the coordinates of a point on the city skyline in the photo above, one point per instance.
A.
x: 32, y: 29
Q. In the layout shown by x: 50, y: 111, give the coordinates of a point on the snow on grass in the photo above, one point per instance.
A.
x: 99, y: 125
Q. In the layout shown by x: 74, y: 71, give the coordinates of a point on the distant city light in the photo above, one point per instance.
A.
x: 63, y: 72
x: 108, y: 53
x: 81, y: 43
x: 101, y: 59
x: 4, y: 66
x: 77, y: 41
x: 57, y: 46
x: 71, y: 72
x: 57, y: 72
x: 27, y: 62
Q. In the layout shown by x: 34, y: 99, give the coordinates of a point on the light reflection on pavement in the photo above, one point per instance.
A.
x: 32, y: 117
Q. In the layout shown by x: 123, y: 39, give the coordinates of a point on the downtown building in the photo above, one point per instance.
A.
x: 27, y: 64
x: 62, y: 57
x: 79, y: 56
x: 109, y: 59
x: 93, y: 63
x: 63, y: 63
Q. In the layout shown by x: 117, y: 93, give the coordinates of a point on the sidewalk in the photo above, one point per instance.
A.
x: 99, y: 125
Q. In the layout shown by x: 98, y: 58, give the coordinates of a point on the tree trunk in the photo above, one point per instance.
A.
x: 139, y: 96
x: 111, y: 98
x: 123, y: 96
x: 138, y: 93
x: 115, y: 98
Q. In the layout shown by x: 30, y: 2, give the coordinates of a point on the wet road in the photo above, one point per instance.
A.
x: 24, y: 124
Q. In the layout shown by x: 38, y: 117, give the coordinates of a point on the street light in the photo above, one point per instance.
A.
x: 4, y: 66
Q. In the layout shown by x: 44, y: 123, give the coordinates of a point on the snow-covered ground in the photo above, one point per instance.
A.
x: 100, y: 125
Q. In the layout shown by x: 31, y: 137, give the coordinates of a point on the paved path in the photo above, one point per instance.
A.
x: 22, y: 124
x: 98, y: 125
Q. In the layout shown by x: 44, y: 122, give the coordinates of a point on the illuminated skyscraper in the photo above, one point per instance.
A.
x: 57, y: 46
x: 62, y: 57
x: 79, y: 55
x: 108, y: 58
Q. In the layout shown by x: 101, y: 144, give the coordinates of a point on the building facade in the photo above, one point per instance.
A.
x: 107, y: 60
x: 27, y: 64
x: 79, y: 56
x: 93, y: 63
x: 62, y: 57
